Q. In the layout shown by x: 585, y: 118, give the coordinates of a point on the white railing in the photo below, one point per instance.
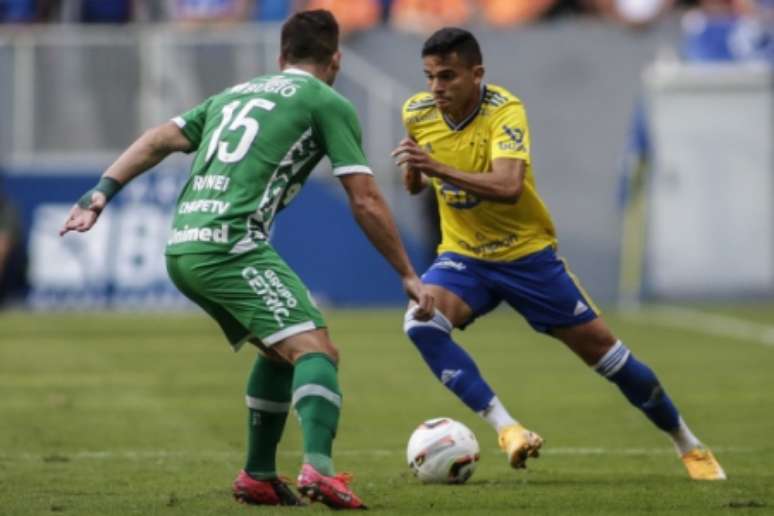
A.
x: 165, y: 69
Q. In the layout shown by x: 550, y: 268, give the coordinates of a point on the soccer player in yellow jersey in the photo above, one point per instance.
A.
x: 470, y: 142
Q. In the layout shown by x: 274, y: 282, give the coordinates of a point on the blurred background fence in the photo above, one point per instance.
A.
x: 658, y: 172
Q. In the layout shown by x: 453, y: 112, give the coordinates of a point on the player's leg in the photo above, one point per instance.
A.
x: 595, y: 344
x: 268, y: 404
x: 543, y: 289
x: 449, y: 361
x: 460, y: 297
x: 316, y: 399
x: 282, y: 315
x: 267, y: 397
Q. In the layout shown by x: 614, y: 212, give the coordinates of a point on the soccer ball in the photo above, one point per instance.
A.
x: 442, y: 450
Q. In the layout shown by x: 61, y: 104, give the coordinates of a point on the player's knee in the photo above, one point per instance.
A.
x: 330, y: 349
x: 295, y: 347
x: 415, y: 328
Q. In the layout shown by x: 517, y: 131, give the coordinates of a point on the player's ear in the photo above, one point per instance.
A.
x: 336, y: 61
x: 333, y: 67
x: 478, y: 73
x: 281, y: 62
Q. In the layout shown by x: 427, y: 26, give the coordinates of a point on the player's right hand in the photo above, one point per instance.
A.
x: 418, y: 293
x: 82, y: 219
x: 413, y: 180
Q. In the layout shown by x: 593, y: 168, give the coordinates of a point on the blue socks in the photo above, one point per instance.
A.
x: 459, y: 373
x: 640, y: 386
x: 448, y: 361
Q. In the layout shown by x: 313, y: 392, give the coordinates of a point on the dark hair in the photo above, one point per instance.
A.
x: 310, y: 36
x: 452, y: 39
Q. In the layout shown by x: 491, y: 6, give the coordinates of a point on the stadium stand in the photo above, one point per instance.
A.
x: 352, y: 16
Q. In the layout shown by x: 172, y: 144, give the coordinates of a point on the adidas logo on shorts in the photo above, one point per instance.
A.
x: 580, y: 307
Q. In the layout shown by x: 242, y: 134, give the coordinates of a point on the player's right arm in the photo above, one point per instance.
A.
x: 146, y: 152
x: 413, y: 180
x: 183, y: 134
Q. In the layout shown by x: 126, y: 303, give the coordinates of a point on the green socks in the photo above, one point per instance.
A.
x: 268, y: 401
x: 317, y: 401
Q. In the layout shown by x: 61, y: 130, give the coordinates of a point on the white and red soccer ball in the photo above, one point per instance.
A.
x: 442, y: 450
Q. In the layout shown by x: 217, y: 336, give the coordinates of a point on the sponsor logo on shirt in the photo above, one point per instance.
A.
x: 275, y: 295
x: 516, y: 143
x: 458, y: 198
x: 491, y: 247
x: 515, y: 134
x: 188, y: 234
x: 204, y: 206
x: 210, y: 182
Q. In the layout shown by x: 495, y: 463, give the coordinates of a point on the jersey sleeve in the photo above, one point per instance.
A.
x: 339, y: 129
x: 510, y: 132
x: 191, y: 123
x: 414, y: 109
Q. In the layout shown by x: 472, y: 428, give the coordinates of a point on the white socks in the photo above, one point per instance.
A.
x: 684, y: 439
x: 496, y: 415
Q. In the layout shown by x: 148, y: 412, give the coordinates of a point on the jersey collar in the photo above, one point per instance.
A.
x: 296, y: 71
x: 468, y: 119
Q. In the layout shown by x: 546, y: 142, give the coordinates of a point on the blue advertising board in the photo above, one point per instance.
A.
x: 120, y: 262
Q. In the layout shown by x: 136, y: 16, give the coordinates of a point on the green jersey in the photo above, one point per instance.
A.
x: 256, y: 144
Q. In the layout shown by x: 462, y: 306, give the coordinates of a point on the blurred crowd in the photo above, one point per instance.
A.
x: 741, y: 27
x: 413, y: 15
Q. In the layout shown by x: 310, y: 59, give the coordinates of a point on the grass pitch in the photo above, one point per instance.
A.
x: 144, y: 415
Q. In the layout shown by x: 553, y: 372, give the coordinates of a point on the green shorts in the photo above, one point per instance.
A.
x: 254, y: 294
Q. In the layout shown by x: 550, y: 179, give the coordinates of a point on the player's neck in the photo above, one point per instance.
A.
x: 311, y: 69
x: 467, y: 109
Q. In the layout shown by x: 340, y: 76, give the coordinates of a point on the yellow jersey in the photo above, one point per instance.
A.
x: 472, y: 226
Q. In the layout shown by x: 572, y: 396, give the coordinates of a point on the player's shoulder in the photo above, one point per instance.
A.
x: 327, y: 100
x: 420, y: 107
x: 419, y: 102
x: 498, y: 97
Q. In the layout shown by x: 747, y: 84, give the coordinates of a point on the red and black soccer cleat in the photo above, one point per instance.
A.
x: 263, y: 492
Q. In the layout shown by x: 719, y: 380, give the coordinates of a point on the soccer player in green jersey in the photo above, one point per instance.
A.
x: 256, y: 144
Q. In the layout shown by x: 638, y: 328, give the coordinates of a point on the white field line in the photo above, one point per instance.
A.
x: 704, y: 323
x: 218, y: 455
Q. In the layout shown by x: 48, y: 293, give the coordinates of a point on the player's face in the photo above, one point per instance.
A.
x: 455, y: 85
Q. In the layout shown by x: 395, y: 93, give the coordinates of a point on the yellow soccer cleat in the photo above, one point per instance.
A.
x: 702, y: 465
x: 519, y: 444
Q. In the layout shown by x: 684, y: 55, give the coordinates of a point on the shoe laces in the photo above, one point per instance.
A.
x: 345, y: 478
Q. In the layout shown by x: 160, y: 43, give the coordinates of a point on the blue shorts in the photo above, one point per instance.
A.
x: 538, y: 286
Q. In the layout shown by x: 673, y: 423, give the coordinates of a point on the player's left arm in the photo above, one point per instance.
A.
x: 503, y: 183
x: 146, y: 152
x: 340, y: 131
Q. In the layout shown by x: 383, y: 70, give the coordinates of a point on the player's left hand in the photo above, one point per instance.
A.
x: 82, y: 219
x: 409, y: 154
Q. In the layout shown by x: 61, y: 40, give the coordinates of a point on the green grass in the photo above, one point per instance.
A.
x: 144, y: 415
